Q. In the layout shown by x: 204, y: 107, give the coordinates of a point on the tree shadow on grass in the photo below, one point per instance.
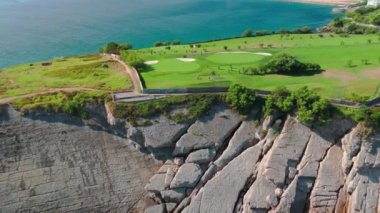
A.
x: 304, y: 73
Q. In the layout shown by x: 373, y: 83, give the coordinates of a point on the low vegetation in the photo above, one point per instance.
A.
x: 368, y: 15
x: 115, y: 48
x: 87, y: 72
x: 307, y: 105
x: 195, y: 106
x: 284, y: 64
x: 133, y: 59
x: 370, y: 117
x: 68, y: 103
x: 241, y: 98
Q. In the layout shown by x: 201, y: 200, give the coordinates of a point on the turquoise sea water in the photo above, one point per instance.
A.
x: 33, y: 30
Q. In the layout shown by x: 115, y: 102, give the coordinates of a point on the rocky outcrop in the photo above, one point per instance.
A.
x: 57, y: 163
x: 209, y: 131
x: 216, y: 164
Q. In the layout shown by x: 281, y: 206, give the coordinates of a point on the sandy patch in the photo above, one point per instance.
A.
x: 344, y: 77
x: 242, y: 52
x: 151, y: 62
x: 186, y: 59
x: 373, y: 73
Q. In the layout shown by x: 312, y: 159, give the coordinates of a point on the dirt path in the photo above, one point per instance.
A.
x: 50, y: 91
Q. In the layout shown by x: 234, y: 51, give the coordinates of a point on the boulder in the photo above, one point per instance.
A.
x: 187, y: 176
x: 208, y: 131
x: 163, y: 133
x: 243, y: 138
x: 221, y: 193
x: 174, y: 195
x: 156, y: 209
x: 156, y: 183
x: 201, y: 156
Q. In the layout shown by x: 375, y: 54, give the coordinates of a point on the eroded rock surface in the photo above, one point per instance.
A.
x: 60, y: 164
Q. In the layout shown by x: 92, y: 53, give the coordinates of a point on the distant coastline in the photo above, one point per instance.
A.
x: 327, y: 2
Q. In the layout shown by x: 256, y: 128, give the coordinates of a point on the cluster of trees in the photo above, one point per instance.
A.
x: 166, y: 43
x: 302, y: 30
x: 115, y: 48
x: 133, y: 59
x: 307, y: 105
x: 284, y: 64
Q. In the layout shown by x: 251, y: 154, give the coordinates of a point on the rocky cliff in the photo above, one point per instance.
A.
x: 219, y: 163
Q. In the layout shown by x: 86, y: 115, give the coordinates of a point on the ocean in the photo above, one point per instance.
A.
x: 35, y: 30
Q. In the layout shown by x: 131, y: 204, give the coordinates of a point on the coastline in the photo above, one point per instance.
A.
x: 327, y: 2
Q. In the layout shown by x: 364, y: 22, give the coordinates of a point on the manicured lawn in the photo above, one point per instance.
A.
x: 89, y: 71
x: 351, y: 64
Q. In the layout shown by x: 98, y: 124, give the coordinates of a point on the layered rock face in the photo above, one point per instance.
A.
x: 60, y: 164
x: 219, y: 163
x: 276, y: 165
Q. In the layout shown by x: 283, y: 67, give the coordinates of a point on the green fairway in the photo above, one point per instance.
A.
x: 234, y: 58
x: 89, y: 71
x: 351, y: 64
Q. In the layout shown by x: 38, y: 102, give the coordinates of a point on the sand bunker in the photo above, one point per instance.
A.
x: 242, y: 52
x: 344, y: 77
x: 186, y: 59
x: 151, y: 62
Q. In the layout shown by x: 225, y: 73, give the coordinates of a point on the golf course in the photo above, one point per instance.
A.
x: 350, y: 63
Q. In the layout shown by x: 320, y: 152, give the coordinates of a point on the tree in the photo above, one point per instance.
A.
x: 279, y: 100
x: 158, y: 44
x: 176, y: 42
x: 241, y: 98
x: 111, y: 48
x: 376, y: 20
x: 287, y: 64
x: 338, y: 22
x: 248, y: 33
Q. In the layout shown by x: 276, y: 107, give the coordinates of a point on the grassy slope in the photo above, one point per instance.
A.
x: 79, y: 71
x: 332, y: 52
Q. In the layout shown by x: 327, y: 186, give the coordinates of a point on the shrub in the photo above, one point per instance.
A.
x: 241, y: 98
x: 308, y: 106
x: 287, y: 64
x: 115, y: 48
x: 248, y: 33
x: 176, y: 42
x: 133, y: 59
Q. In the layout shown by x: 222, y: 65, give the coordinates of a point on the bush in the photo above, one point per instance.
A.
x: 176, y: 42
x: 303, y: 30
x: 241, y: 98
x: 115, y: 48
x: 308, y: 106
x: 133, y: 59
x: 287, y: 64
x: 248, y: 33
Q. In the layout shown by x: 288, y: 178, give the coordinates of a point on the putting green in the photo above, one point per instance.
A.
x: 234, y: 58
x: 174, y: 65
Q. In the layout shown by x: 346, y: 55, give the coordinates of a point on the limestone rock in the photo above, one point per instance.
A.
x: 201, y: 156
x: 330, y: 179
x: 278, y: 167
x: 169, y: 177
x: 163, y: 133
x: 221, y: 193
x: 350, y: 145
x: 156, y: 209
x: 243, y: 138
x: 173, y: 195
x: 187, y: 176
x: 156, y: 183
x: 208, y: 131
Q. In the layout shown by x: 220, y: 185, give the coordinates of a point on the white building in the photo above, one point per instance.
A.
x: 373, y: 3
